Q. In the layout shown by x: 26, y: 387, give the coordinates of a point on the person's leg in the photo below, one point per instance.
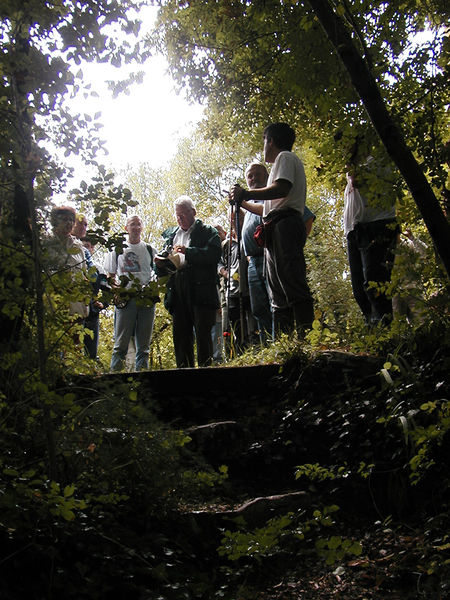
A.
x: 91, y: 343
x: 378, y: 258
x: 290, y: 286
x: 283, y: 320
x: 250, y: 324
x: 183, y: 336
x: 217, y: 337
x: 143, y: 335
x: 232, y: 326
x: 203, y: 321
x: 282, y: 315
x: 357, y: 276
x: 304, y: 316
x: 124, y: 323
x: 238, y: 322
x: 259, y: 297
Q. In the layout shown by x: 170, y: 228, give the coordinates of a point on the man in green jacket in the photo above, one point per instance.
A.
x: 191, y: 297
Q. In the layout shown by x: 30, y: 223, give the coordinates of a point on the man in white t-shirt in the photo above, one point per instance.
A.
x: 370, y: 228
x: 132, y: 318
x: 284, y: 204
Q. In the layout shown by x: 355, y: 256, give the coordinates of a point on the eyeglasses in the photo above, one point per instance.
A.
x: 65, y: 218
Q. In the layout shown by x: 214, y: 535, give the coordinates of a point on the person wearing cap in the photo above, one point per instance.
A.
x: 191, y: 297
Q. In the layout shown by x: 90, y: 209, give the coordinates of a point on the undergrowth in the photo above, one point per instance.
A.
x: 108, y: 521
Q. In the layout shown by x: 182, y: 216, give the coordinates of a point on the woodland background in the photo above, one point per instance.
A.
x: 352, y: 79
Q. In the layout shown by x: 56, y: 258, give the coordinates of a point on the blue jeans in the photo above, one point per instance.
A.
x: 137, y: 320
x: 259, y: 297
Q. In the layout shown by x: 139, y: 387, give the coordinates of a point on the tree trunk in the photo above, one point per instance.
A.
x: 26, y: 223
x: 390, y: 133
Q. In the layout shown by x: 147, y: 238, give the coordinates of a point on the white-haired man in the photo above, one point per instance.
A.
x: 191, y: 296
x: 133, y: 318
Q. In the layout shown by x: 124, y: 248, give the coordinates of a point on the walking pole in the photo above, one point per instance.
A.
x: 237, y: 209
x: 226, y: 323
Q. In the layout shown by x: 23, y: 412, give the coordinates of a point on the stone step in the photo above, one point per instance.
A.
x: 185, y: 397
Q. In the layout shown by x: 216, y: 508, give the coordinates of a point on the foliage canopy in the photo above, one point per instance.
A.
x: 255, y: 64
x: 89, y: 477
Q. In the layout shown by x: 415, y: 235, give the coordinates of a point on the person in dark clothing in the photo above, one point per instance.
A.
x: 98, y: 279
x: 371, y: 230
x: 239, y: 324
x: 256, y: 176
x: 283, y: 207
x: 191, y: 297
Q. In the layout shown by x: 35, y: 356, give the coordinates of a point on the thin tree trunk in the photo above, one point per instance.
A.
x: 28, y: 213
x: 390, y: 133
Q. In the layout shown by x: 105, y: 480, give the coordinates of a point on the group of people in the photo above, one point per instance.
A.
x: 247, y: 311
x: 261, y: 264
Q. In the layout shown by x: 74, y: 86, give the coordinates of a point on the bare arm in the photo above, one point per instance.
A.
x: 308, y: 225
x: 253, y: 207
x: 278, y: 189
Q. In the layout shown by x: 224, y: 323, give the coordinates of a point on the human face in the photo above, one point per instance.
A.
x: 80, y: 227
x: 185, y: 216
x: 256, y: 177
x: 134, y: 229
x: 64, y: 225
x: 270, y: 150
x: 89, y: 247
x: 221, y: 231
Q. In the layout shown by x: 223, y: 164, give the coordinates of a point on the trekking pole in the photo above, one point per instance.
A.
x: 237, y: 209
x: 229, y: 258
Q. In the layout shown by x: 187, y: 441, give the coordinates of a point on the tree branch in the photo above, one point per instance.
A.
x: 389, y: 132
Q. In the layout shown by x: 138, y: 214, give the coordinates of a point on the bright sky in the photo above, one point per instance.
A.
x: 144, y: 126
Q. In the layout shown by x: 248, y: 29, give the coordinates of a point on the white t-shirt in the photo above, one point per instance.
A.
x: 288, y: 166
x: 66, y: 254
x: 357, y: 209
x: 135, y: 261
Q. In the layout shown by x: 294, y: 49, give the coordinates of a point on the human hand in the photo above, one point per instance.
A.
x: 237, y: 195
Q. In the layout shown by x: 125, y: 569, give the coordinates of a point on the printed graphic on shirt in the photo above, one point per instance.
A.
x: 131, y: 263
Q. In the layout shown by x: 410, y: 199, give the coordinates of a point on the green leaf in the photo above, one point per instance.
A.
x: 334, y: 542
x: 11, y: 472
x: 69, y: 490
x: 356, y: 549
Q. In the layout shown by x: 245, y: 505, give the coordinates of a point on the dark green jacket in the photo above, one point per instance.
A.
x: 199, y: 275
